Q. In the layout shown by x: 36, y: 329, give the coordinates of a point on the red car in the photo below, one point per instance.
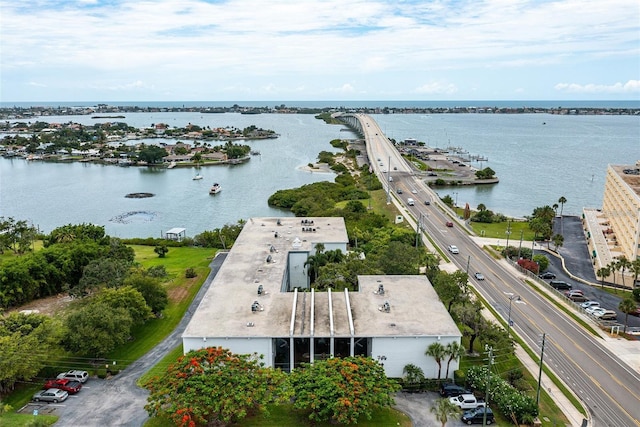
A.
x: 449, y: 224
x: 69, y: 386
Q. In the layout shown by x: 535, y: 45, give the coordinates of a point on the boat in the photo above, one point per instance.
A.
x: 215, y: 188
x: 171, y: 165
x: 197, y: 177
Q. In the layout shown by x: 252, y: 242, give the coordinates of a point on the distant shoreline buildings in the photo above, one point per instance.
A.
x: 17, y: 112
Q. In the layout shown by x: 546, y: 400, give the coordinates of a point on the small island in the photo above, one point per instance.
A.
x: 116, y: 143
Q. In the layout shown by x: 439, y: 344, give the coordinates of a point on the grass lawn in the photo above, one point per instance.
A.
x: 181, y: 292
x: 498, y: 230
x: 20, y: 420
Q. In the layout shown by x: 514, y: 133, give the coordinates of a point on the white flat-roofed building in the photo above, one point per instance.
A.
x: 261, y: 302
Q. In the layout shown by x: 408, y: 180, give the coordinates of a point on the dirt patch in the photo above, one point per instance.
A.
x: 49, y: 306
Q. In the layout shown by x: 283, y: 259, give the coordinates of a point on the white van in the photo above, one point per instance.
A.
x: 411, y: 201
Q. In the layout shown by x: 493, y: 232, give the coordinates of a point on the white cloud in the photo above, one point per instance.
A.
x: 36, y: 84
x: 258, y: 47
x: 631, y: 86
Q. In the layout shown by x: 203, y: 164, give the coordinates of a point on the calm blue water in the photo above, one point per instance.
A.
x: 536, y: 163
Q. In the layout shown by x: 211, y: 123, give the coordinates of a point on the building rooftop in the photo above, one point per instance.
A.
x: 630, y: 174
x: 226, y: 309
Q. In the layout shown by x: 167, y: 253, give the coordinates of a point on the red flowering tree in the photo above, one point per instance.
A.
x: 527, y: 264
x: 213, y: 386
x: 342, y: 389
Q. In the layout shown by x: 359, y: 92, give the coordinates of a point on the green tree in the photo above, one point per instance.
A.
x: 341, y: 390
x: 152, y: 154
x: 128, y: 298
x: 453, y: 351
x: 623, y: 264
x: 412, y: 376
x: 562, y: 200
x: 558, y: 241
x: 635, y: 269
x: 445, y: 410
x: 154, y: 294
x: 26, y: 344
x: 438, y: 352
x: 96, y: 329
x: 451, y: 288
x: 627, y: 306
x: 161, y: 250
x: 472, y: 324
x: 102, y: 272
x: 542, y: 261
x: 213, y: 386
x: 603, y: 273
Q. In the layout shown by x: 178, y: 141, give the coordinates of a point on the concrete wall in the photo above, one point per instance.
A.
x: 400, y: 351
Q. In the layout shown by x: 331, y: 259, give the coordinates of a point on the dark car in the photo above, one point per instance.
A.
x: 449, y: 224
x: 560, y: 285
x: 452, y: 390
x: 476, y: 416
x: 547, y: 275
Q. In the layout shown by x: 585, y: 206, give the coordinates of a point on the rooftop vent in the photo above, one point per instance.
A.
x: 272, y: 249
x: 278, y: 222
x: 269, y: 258
x: 250, y: 324
x: 256, y: 307
x: 385, y: 308
x: 380, y: 290
x: 261, y: 290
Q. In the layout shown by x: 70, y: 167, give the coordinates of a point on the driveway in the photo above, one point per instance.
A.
x: 118, y: 401
x: 418, y: 407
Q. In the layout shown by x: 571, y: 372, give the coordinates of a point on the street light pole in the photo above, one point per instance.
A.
x: 511, y: 298
x: 540, y: 372
x: 508, y: 233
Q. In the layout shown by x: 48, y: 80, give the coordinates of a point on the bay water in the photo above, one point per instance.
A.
x: 538, y: 158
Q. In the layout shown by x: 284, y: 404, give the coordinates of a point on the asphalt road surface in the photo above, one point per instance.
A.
x: 608, y: 387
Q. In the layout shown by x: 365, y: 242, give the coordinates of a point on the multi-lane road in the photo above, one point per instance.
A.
x: 609, y: 388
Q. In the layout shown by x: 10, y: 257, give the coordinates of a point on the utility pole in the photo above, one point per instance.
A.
x: 486, y: 395
x: 540, y: 373
x: 520, y: 247
x: 508, y: 233
x: 418, y: 228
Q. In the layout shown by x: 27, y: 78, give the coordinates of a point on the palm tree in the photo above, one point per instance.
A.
x: 623, y: 264
x: 562, y: 200
x: 437, y: 351
x: 603, y: 273
x: 455, y: 351
x: 627, y: 305
x: 413, y: 375
x: 613, y: 268
x: 635, y: 269
x: 555, y: 208
x: 444, y: 410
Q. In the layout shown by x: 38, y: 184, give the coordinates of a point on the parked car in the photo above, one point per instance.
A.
x: 606, y: 315
x: 547, y: 275
x: 449, y: 224
x: 560, y: 285
x: 453, y: 249
x: 573, y: 292
x: 81, y: 376
x: 588, y: 304
x: 593, y: 310
x: 467, y: 401
x: 54, y: 395
x: 452, y: 390
x: 578, y: 298
x: 70, y: 386
x: 636, y: 312
x: 476, y: 416
x: 479, y: 276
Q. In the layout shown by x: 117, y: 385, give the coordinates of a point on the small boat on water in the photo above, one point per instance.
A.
x: 197, y: 177
x: 215, y: 188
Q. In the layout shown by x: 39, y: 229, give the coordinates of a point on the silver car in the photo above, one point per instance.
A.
x: 54, y: 395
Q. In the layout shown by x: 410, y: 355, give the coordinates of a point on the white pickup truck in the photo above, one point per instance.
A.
x: 467, y: 401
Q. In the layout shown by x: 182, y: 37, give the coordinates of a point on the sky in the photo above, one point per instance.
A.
x: 254, y: 50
